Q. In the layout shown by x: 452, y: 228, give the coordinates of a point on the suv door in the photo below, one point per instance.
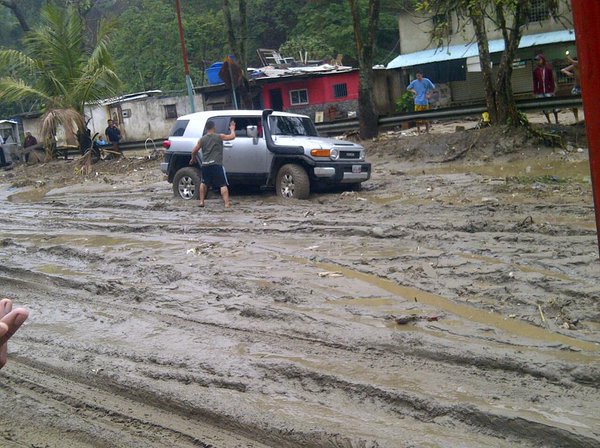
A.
x: 241, y: 156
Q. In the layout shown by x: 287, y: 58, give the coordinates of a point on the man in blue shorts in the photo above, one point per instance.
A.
x: 213, y: 172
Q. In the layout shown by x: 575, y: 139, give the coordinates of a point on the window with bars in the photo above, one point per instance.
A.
x: 298, y: 97
x: 538, y: 11
x: 170, y: 111
x: 340, y: 90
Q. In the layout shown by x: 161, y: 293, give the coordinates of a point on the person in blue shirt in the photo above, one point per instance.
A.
x: 421, y: 88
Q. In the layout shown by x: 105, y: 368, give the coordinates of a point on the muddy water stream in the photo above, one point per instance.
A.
x: 156, y: 323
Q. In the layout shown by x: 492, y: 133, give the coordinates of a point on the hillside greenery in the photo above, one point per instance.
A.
x: 146, y: 49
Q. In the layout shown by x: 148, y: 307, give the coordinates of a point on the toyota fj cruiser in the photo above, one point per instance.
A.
x: 271, y: 149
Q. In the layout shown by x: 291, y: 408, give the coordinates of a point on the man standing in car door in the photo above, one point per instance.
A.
x: 213, y: 172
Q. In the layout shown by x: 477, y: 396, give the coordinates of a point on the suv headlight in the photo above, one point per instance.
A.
x: 362, y: 154
x: 334, y: 154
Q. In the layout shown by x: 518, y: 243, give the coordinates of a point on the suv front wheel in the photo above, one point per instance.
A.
x: 186, y: 183
x: 292, y: 182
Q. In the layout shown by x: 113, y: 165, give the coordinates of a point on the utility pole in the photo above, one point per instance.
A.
x: 188, y: 80
x: 586, y: 16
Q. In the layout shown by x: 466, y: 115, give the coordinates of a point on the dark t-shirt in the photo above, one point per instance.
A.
x: 29, y: 141
x: 113, y: 134
x: 212, y: 149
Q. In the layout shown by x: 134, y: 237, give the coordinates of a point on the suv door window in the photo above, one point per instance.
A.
x: 241, y: 124
x: 179, y: 128
x: 221, y: 125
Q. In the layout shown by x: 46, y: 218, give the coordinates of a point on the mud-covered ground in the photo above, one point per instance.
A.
x: 454, y: 302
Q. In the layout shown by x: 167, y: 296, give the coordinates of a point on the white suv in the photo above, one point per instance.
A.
x: 271, y: 149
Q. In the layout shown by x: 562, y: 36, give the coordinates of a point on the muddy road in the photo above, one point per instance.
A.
x: 448, y: 304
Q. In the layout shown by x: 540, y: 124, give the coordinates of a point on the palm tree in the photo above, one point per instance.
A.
x: 58, y: 71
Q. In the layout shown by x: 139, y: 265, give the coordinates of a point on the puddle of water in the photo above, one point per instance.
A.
x: 35, y: 195
x: 90, y: 241
x: 522, y: 268
x: 586, y: 223
x: 366, y: 302
x: 54, y: 269
x: 510, y: 326
x: 529, y: 168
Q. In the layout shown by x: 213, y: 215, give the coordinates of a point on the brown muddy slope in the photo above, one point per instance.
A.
x: 155, y: 323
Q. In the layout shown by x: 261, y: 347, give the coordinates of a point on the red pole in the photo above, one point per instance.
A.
x: 586, y: 16
x: 185, y: 61
x: 188, y: 79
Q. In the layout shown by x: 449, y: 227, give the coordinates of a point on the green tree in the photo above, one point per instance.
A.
x: 311, y: 48
x: 365, y: 46
x: 510, y: 17
x: 151, y: 56
x: 56, y: 70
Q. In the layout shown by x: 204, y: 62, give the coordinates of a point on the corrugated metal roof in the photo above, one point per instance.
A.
x: 470, y: 50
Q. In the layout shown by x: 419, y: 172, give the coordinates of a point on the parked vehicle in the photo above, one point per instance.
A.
x: 271, y: 149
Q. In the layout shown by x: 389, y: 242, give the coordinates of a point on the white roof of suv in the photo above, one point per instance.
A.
x: 234, y: 113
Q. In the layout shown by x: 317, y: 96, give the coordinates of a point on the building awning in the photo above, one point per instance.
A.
x: 469, y: 50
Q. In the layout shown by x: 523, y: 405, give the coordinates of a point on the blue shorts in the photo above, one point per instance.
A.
x: 214, y: 175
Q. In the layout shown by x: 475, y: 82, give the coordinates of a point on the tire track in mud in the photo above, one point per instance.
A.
x: 186, y: 378
x: 290, y: 354
x: 148, y: 420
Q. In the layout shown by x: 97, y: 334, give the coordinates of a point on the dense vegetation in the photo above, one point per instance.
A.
x: 146, y: 49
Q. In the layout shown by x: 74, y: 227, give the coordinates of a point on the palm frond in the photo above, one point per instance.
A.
x: 96, y: 84
x: 17, y: 90
x: 17, y: 60
x: 69, y: 119
x: 61, y: 72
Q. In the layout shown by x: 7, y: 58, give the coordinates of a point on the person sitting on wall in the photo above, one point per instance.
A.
x: 100, y: 141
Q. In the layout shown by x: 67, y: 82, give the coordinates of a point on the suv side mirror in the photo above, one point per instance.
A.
x: 252, y: 131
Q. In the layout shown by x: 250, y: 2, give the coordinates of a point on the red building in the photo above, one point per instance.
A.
x: 310, y: 93
x: 324, y: 92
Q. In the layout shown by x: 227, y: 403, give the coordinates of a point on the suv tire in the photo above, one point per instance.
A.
x: 292, y: 182
x: 186, y: 183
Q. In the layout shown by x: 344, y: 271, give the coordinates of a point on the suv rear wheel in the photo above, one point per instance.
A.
x: 186, y: 183
x: 292, y: 182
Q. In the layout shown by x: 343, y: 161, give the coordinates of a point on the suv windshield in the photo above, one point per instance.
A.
x: 292, y: 126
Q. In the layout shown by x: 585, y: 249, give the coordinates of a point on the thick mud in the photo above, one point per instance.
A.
x: 450, y: 303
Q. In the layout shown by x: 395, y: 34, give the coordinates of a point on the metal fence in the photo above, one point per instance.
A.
x: 341, y: 126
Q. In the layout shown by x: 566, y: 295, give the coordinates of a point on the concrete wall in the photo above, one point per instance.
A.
x: 415, y: 30
x: 138, y: 119
x: 141, y: 118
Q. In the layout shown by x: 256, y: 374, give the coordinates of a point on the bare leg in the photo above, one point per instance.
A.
x: 202, y: 194
x: 225, y: 196
x: 556, y: 116
x: 576, y: 114
x: 427, y: 127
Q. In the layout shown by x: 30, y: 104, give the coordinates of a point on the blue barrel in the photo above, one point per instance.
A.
x: 212, y: 73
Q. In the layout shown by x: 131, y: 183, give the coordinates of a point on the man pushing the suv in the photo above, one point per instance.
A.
x: 213, y: 172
